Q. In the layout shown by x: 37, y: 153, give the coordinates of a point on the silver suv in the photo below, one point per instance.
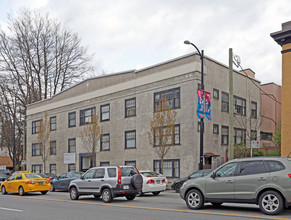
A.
x: 108, y: 182
x: 265, y: 181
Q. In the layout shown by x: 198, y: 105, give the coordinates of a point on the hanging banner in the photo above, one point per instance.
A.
x: 200, y: 106
x: 208, y: 105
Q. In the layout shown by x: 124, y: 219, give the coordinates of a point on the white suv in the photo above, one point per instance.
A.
x: 108, y: 182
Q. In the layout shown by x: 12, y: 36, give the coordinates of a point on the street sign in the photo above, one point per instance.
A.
x: 69, y: 158
x: 255, y: 144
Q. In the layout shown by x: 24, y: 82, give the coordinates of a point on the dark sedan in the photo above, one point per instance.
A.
x: 176, y: 185
x: 63, y: 181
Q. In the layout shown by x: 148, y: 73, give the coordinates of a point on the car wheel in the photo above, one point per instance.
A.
x: 177, y: 187
x: 271, y: 203
x: 43, y: 192
x: 3, y: 190
x: 74, y: 193
x: 106, y: 195
x: 97, y: 196
x: 21, y: 191
x: 194, y: 199
x: 130, y: 197
x: 156, y: 193
x: 52, y: 188
x: 216, y: 204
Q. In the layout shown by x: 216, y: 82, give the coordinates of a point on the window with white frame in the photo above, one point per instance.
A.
x: 105, y: 112
x: 105, y: 142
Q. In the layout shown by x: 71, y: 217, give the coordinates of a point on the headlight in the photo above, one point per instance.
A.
x: 184, y: 184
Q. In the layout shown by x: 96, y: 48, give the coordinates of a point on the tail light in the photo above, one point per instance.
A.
x: 289, y: 175
x: 30, y: 182
x: 150, y: 182
x: 164, y: 180
x: 119, y: 177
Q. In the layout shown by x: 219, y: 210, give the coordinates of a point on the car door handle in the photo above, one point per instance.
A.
x: 261, y: 179
x: 229, y: 181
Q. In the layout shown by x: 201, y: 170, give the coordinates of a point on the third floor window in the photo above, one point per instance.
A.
x: 105, y: 112
x: 86, y: 115
x: 130, y: 107
x: 239, y: 105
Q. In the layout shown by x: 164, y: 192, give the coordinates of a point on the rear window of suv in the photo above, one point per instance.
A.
x: 274, y: 165
x: 128, y: 171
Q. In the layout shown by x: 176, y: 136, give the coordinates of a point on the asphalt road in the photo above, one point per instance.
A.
x: 166, y: 206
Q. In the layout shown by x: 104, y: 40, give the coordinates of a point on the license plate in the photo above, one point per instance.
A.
x: 126, y: 187
x: 40, y: 183
x: 158, y: 181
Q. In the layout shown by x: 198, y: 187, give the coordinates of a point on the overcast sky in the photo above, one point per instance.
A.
x: 132, y: 34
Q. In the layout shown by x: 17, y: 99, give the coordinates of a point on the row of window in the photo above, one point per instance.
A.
x: 130, y: 142
x: 171, y: 168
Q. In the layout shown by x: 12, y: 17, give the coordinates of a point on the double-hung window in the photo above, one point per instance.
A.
x: 72, y: 119
x: 224, y: 135
x: 224, y: 101
x: 239, y: 136
x: 105, y: 112
x: 105, y: 142
x: 53, y: 123
x: 36, y: 126
x: 165, y: 136
x: 253, y: 109
x: 72, y: 145
x: 36, y: 149
x: 171, y: 168
x: 171, y: 98
x: 86, y: 115
x: 239, y: 105
x: 130, y: 139
x: 130, y: 107
x: 53, y: 148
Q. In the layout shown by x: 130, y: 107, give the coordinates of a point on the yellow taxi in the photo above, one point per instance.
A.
x: 26, y: 182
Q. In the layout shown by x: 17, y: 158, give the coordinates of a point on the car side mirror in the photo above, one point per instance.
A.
x: 213, y: 175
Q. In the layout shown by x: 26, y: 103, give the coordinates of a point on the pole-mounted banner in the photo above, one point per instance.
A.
x: 208, y: 105
x: 200, y: 108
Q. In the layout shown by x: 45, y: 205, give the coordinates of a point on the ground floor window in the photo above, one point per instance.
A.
x: 104, y: 163
x: 71, y: 167
x: 36, y: 168
x: 53, y: 168
x: 171, y: 168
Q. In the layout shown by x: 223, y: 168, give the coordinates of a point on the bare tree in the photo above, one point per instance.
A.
x: 90, y: 136
x: 162, y: 129
x: 43, y: 138
x: 39, y: 57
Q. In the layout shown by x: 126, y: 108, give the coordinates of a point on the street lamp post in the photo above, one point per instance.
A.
x: 201, y: 54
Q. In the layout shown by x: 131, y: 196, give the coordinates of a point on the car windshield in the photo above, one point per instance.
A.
x: 128, y: 171
x: 79, y: 174
x: 32, y: 176
x: 150, y: 174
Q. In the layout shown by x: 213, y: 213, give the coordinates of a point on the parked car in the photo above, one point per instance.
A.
x: 63, y: 181
x: 4, y: 174
x: 153, y: 182
x: 265, y: 181
x: 176, y: 185
x: 108, y: 182
x: 25, y: 182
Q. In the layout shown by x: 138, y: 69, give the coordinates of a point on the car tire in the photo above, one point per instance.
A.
x: 271, y: 203
x: 97, y: 196
x: 52, y: 188
x: 106, y: 195
x: 216, y: 204
x: 177, y: 187
x: 130, y: 197
x: 137, y: 181
x: 3, y: 189
x: 74, y: 194
x: 194, y: 199
x: 156, y: 193
x: 21, y: 191
x: 43, y: 192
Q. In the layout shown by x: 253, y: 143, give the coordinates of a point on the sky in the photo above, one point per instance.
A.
x: 133, y: 34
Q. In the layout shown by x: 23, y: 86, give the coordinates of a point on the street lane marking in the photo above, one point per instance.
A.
x: 151, y: 208
x: 14, y: 210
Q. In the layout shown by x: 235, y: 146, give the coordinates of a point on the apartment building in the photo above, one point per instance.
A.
x: 125, y: 103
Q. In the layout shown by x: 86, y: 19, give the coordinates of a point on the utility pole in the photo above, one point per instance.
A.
x: 230, y: 154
